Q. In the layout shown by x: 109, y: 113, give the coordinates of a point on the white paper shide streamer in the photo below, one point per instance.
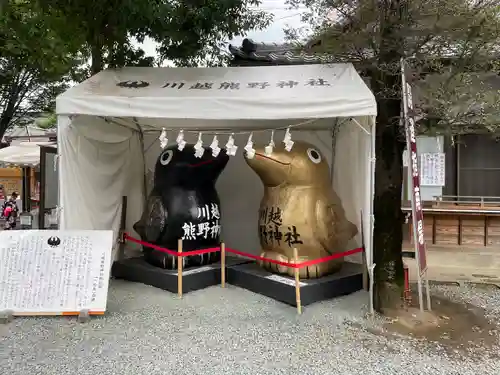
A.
x: 269, y: 148
x: 230, y: 146
x: 250, y: 151
x: 215, y: 147
x: 181, y: 143
x: 163, y: 139
x: 288, y: 140
x: 198, y: 147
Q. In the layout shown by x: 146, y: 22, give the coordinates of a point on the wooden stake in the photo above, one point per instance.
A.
x: 223, y: 265
x: 297, y: 282
x: 179, y: 268
x: 123, y: 222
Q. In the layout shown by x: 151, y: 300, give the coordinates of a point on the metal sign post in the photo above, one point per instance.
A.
x: 414, y: 179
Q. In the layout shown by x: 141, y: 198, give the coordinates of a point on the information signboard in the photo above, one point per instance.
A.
x: 54, y: 272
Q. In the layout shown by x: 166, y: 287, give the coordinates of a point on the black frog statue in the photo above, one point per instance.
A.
x: 183, y: 204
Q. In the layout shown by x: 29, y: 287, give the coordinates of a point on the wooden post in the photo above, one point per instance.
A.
x: 222, y: 265
x: 123, y: 223
x: 179, y: 268
x: 297, y: 282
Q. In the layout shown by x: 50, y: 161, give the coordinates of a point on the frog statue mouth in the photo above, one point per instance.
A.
x: 200, y: 163
x: 273, y: 169
x: 270, y: 158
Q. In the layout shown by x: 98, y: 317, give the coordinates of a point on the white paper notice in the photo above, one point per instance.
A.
x: 432, y: 169
x: 54, y: 272
x: 284, y: 280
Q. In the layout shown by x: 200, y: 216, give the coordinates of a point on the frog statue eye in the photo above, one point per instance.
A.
x: 314, y: 155
x: 166, y: 157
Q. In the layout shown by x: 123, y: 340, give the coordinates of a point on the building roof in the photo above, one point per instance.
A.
x: 25, y: 131
x: 252, y: 53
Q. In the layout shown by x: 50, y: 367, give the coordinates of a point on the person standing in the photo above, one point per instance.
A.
x: 10, y: 211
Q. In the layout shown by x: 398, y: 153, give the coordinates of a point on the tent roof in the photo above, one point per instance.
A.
x: 234, y: 93
x: 25, y: 154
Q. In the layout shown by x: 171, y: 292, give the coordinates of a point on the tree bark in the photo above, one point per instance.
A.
x: 97, y: 60
x: 389, y: 145
x: 388, y: 229
x: 4, y: 124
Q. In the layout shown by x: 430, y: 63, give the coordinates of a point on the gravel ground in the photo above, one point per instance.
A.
x: 227, y: 331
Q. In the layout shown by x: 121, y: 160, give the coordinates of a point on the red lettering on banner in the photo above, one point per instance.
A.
x: 420, y: 232
x: 417, y: 198
x: 409, y: 96
x: 413, y: 138
x: 417, y: 213
x: 414, y: 164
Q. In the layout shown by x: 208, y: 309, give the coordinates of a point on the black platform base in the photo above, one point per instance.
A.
x: 138, y: 270
x: 282, y: 288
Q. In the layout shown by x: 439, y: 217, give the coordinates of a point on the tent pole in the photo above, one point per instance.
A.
x: 370, y: 195
x: 59, y: 187
x: 62, y: 122
x: 372, y: 217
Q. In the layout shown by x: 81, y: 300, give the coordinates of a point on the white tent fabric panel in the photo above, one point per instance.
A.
x: 353, y: 174
x: 279, y: 92
x: 100, y: 162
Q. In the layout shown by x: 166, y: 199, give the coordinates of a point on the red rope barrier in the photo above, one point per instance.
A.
x: 256, y: 257
x: 171, y: 252
x: 297, y: 265
x: 243, y: 254
x: 331, y: 257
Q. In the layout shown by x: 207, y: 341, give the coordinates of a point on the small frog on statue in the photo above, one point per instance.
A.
x: 183, y: 204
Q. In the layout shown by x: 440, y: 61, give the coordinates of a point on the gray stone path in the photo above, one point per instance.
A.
x: 223, y: 331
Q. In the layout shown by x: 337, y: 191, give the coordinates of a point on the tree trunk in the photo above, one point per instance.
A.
x: 97, y: 63
x: 4, y: 124
x: 7, y: 115
x: 388, y: 230
x: 388, y: 227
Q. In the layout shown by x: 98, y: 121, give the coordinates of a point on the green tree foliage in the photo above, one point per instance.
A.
x: 49, y: 122
x: 453, y: 47
x: 40, y: 41
x: 187, y: 31
x: 35, y: 62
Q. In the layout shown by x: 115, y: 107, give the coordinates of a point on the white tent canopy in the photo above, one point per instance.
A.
x: 24, y: 154
x: 263, y: 93
x: 108, y: 130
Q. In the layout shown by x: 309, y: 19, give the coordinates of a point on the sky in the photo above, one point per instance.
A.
x: 283, y: 18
